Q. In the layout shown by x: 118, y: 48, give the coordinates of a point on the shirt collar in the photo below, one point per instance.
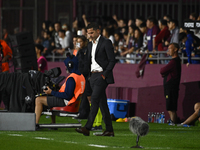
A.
x: 97, y: 40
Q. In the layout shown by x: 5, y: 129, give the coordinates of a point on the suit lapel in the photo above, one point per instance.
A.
x: 99, y: 44
x: 90, y: 49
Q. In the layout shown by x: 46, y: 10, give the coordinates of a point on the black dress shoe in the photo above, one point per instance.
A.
x: 106, y: 133
x: 83, y: 130
x: 37, y: 127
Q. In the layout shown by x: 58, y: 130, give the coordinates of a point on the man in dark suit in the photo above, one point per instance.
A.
x: 100, y: 63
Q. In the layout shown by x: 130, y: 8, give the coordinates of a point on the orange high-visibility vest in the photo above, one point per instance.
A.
x: 6, y: 51
x: 79, y: 89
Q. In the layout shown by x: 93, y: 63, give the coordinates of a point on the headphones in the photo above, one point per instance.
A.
x: 70, y: 64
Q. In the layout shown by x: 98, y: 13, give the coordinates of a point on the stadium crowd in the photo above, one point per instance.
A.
x: 130, y: 38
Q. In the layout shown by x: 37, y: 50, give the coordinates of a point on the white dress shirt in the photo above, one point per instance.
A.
x: 94, y: 65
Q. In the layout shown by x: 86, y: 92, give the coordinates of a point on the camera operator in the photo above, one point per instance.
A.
x: 6, y: 54
x: 68, y: 93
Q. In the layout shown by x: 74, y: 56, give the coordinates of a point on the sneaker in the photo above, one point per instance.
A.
x: 97, y: 128
x: 179, y: 125
x: 171, y: 123
x: 183, y: 125
x: 93, y: 128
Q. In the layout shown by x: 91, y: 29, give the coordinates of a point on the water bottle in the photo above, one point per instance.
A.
x: 163, y: 117
x: 160, y: 118
x: 157, y: 117
x: 149, y: 117
x: 152, y: 117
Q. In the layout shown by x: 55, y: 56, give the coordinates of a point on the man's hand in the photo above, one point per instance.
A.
x: 48, y: 91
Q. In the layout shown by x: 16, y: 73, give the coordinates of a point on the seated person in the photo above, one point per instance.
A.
x: 68, y: 93
x: 194, y: 116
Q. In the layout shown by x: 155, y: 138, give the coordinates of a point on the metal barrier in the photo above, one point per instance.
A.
x: 156, y: 57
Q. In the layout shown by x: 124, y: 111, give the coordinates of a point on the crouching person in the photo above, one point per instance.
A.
x: 68, y: 93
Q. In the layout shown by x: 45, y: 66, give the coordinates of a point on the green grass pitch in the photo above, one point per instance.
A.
x: 160, y: 136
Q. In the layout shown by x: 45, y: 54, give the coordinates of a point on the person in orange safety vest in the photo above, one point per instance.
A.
x: 73, y: 86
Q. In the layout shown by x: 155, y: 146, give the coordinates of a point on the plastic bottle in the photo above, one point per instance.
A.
x: 157, y: 117
x: 160, y: 118
x: 163, y: 117
x: 149, y: 117
x: 152, y: 117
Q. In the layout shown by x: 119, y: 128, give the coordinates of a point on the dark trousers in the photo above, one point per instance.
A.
x: 84, y: 108
x: 99, y: 99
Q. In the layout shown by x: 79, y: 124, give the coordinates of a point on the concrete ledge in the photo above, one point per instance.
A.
x: 17, y: 121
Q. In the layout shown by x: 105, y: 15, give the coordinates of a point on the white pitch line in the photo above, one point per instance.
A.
x: 15, y: 134
x: 94, y: 145
x: 43, y: 138
x: 71, y: 142
x: 157, y: 147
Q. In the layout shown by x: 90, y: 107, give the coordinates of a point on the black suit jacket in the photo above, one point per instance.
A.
x: 104, y: 56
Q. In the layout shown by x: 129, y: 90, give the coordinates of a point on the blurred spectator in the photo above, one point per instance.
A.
x: 121, y: 24
x: 51, y: 29
x: 68, y: 35
x: 45, y: 25
x: 195, y: 44
x: 85, y: 20
x: 138, y: 43
x: 174, y: 30
x: 75, y: 26
x: 48, y: 44
x: 74, y: 51
x: 152, y: 32
x: 84, y: 32
x: 16, y: 30
x: 193, y: 16
x: 119, y: 44
x: 187, y: 40
x: 41, y: 60
x: 167, y: 17
x: 57, y: 27
x: 130, y: 22
x: 139, y: 20
x: 63, y: 42
x: 138, y: 40
x: 163, y: 34
x: 143, y: 29
x: 106, y: 33
x: 130, y: 42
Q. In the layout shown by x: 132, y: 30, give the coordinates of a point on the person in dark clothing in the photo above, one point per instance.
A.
x: 81, y: 47
x: 171, y: 74
x: 100, y: 61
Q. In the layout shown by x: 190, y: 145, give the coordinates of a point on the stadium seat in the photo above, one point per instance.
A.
x: 67, y: 111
